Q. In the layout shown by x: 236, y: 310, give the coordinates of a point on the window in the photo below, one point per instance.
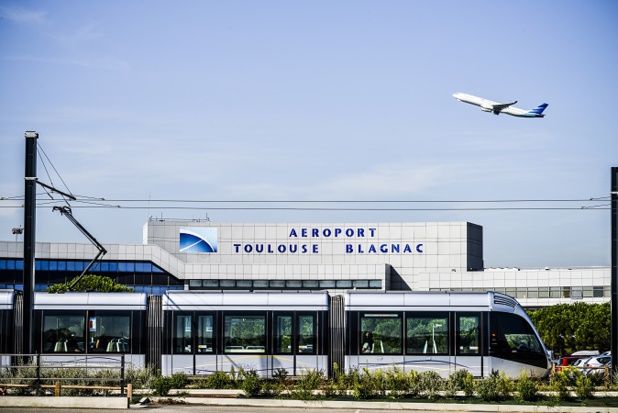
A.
x: 205, y: 327
x: 63, y: 332
x: 468, y: 334
x: 306, y: 334
x: 109, y: 332
x: 245, y: 333
x: 283, y: 334
x: 513, y: 338
x: 381, y: 333
x: 183, y: 324
x: 427, y: 333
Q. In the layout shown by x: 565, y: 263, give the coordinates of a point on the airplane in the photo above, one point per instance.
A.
x: 498, y: 108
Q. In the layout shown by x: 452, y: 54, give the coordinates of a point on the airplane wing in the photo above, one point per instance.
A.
x: 499, y: 107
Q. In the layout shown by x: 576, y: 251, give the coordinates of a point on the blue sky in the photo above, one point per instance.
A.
x: 317, y: 100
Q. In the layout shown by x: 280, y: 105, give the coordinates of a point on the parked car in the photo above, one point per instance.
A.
x: 596, y: 364
x: 569, y: 361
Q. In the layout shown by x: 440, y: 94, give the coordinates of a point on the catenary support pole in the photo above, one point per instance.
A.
x: 29, y: 241
x: 614, y: 280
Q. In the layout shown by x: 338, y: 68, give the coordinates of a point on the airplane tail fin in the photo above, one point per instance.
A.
x: 538, y: 111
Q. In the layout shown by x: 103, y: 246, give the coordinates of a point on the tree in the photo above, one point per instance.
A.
x: 96, y: 283
x: 566, y: 328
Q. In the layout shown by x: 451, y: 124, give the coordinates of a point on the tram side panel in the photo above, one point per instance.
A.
x: 90, y: 329
x: 262, y: 338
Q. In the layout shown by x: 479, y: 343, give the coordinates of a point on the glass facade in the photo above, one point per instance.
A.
x: 575, y: 293
x: 143, y: 277
x: 284, y: 284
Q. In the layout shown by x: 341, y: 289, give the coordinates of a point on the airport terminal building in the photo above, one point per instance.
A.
x: 203, y: 255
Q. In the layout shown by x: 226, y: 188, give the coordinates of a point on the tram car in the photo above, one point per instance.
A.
x: 199, y: 332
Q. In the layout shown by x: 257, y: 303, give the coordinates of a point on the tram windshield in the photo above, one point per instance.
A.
x: 513, y: 338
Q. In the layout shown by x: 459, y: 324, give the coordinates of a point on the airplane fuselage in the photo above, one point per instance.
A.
x: 498, y: 108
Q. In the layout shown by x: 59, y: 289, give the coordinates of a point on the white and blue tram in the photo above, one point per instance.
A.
x: 443, y: 332
x: 261, y: 331
x: 199, y: 333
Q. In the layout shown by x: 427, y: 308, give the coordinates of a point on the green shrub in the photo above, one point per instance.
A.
x: 364, y: 386
x: 251, y: 383
x: 161, y: 385
x: 179, y: 380
x: 559, y: 383
x: 430, y: 384
x: 527, y: 388
x: 397, y: 382
x: 219, y: 380
x: 139, y: 378
x: 309, y: 381
x: 584, y: 387
x: 461, y: 380
x: 494, y: 387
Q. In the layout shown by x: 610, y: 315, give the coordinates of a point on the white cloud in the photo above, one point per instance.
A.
x: 21, y: 15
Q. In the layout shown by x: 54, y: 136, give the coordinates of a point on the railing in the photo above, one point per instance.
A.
x: 36, y: 371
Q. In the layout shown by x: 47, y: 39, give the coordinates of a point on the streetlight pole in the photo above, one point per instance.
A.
x: 29, y: 241
x: 433, y: 337
x: 614, y: 260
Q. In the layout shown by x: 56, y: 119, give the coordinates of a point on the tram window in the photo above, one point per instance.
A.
x: 468, y: 334
x: 183, y: 324
x: 380, y: 333
x: 283, y: 334
x: 512, y: 335
x: 205, y: 327
x: 63, y: 332
x: 245, y: 334
x: 427, y: 333
x: 306, y: 334
x: 109, y: 332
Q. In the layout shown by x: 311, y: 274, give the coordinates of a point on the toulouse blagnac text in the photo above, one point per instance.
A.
x: 295, y: 248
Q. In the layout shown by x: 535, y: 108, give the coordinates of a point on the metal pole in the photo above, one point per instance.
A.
x: 614, y: 280
x: 29, y: 241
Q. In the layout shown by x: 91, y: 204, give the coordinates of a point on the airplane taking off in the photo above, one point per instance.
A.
x: 498, y: 108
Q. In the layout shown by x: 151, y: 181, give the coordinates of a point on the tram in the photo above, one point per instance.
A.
x: 200, y: 333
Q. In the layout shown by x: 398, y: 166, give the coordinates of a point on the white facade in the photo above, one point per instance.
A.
x: 393, y: 252
x: 334, y: 256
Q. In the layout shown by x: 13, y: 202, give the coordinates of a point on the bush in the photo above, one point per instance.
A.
x: 251, y: 383
x: 309, y: 381
x: 139, y: 378
x: 364, y: 387
x: 430, y: 384
x: 219, y: 380
x: 495, y: 387
x: 461, y: 380
x: 559, y: 383
x: 584, y: 387
x: 397, y: 382
x: 179, y: 380
x: 527, y: 388
x: 161, y: 385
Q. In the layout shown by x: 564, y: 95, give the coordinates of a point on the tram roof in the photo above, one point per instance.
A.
x: 282, y: 301
x: 90, y: 301
x: 430, y: 300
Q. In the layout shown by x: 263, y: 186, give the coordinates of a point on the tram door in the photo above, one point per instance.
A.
x: 294, y: 342
x: 468, y: 344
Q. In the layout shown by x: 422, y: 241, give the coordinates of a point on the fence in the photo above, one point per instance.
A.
x: 48, y: 371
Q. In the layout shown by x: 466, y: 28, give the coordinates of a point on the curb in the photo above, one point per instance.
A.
x: 67, y: 402
x: 442, y: 407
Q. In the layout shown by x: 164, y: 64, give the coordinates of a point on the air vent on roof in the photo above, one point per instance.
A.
x: 504, y: 300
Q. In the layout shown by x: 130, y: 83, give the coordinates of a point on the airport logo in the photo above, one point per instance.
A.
x: 198, y: 240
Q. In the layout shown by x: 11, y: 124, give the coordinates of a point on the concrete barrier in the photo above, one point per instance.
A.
x: 66, y: 402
